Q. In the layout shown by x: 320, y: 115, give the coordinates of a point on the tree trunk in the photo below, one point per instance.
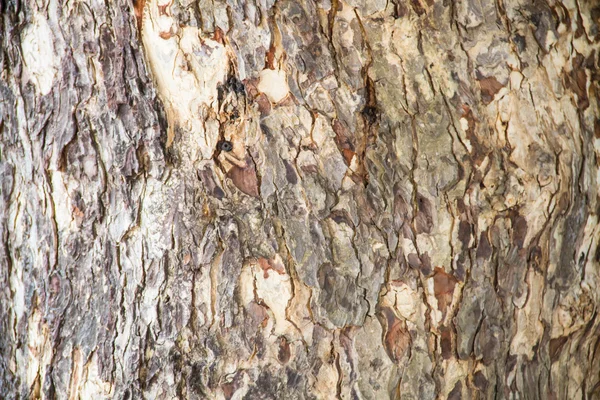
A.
x: 282, y: 199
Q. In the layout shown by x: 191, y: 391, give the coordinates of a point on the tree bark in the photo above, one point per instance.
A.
x: 277, y: 199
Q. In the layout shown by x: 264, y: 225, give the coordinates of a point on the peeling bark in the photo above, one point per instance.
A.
x: 407, y: 205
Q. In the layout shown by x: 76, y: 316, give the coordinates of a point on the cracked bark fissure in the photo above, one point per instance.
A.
x: 409, y: 207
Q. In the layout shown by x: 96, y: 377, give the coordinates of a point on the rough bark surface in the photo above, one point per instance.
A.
x: 409, y: 208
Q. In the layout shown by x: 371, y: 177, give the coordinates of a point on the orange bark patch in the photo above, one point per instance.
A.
x: 270, y: 58
x: 219, y: 36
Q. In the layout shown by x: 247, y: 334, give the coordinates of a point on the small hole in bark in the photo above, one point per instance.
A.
x: 226, y: 146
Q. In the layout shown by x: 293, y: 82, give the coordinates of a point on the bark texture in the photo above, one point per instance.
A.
x: 409, y: 208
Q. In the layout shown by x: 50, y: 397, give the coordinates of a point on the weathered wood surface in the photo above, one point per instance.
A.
x: 410, y: 209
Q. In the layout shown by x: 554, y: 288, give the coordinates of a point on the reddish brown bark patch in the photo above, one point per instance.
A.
x: 519, y: 229
x: 489, y: 87
x: 397, y: 338
x: 284, y: 353
x: 443, y: 289
x: 478, y: 150
x: 138, y: 11
x: 556, y: 346
x: 343, y: 141
x: 245, y: 179
x: 576, y: 79
x: 272, y: 264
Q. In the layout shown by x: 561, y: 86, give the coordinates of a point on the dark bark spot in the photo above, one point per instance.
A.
x: 290, y: 173
x: 573, y: 229
x: 417, y: 7
x: 422, y: 263
x: 341, y: 217
x: 6, y: 180
x: 455, y: 393
x: 236, y: 85
x: 460, y: 271
x: 413, y: 260
x: 266, y: 387
x: 480, y: 381
x: 461, y: 207
x: 370, y: 114
x: 208, y: 180
x: 400, y: 10
x: 195, y: 379
x: 519, y: 230
x: 544, y: 20
x: 446, y: 342
x: 376, y: 364
x: 484, y: 250
x: 556, y: 346
x: 294, y: 379
x: 535, y: 257
x: 576, y: 79
x: 464, y: 234
x: 488, y: 342
x: 310, y: 169
x: 266, y: 130
x: 425, y: 264
x: 55, y: 285
x: 520, y: 42
x: 424, y: 217
x: 283, y: 354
